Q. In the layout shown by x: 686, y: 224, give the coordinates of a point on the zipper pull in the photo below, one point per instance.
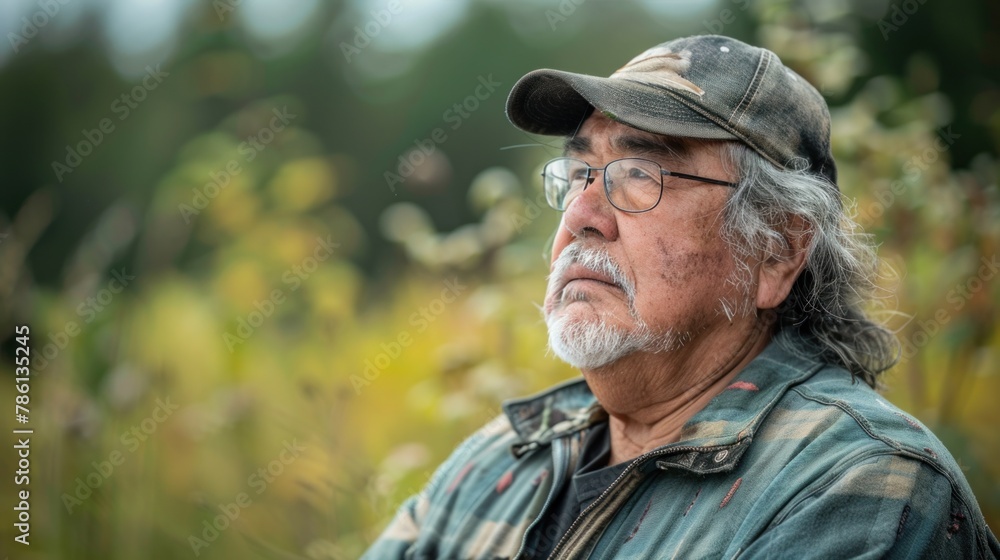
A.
x: 519, y: 449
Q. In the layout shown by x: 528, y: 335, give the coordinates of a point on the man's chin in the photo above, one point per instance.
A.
x: 588, y: 344
x: 580, y: 308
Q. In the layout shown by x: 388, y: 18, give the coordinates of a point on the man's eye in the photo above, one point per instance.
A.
x: 578, y: 174
x: 638, y: 173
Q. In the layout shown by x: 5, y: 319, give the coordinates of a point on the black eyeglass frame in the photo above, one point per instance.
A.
x: 607, y: 188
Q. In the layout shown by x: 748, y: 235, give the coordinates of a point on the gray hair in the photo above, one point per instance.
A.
x: 825, y: 305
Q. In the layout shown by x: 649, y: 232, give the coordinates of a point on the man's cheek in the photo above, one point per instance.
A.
x: 679, y: 268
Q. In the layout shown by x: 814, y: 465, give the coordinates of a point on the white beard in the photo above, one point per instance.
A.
x: 592, y: 343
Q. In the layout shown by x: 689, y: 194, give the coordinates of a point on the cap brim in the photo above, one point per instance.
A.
x: 554, y: 102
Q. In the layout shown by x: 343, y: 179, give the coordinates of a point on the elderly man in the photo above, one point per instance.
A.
x: 708, y: 285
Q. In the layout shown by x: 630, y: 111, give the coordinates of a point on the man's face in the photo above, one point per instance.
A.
x: 649, y: 281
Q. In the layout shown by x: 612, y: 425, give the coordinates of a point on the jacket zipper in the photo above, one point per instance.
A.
x: 641, y: 460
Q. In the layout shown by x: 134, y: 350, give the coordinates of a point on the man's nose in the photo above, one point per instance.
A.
x: 591, y: 212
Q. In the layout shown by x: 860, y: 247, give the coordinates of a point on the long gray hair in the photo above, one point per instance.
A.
x: 825, y: 305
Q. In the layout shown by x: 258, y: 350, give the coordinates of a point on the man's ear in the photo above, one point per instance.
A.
x: 783, y: 263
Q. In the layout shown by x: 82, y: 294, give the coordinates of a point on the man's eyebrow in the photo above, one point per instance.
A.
x: 663, y: 146
x: 666, y: 147
x: 576, y: 145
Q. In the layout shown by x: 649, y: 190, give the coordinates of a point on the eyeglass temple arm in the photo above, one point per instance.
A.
x: 697, y: 178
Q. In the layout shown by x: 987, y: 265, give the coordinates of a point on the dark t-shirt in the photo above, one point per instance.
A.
x: 590, y: 479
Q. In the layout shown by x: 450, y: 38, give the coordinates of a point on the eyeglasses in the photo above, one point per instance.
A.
x: 631, y: 184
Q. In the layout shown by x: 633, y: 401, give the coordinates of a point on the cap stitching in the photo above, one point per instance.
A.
x: 756, y: 90
x: 753, y: 87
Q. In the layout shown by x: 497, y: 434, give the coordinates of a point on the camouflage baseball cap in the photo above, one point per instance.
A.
x: 705, y: 86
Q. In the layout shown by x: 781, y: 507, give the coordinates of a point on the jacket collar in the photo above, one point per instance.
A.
x: 727, y: 423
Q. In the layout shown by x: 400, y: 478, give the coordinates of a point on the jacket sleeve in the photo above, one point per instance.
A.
x: 886, y: 506
x: 410, y: 522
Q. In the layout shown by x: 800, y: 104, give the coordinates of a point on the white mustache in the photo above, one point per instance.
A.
x: 595, y: 260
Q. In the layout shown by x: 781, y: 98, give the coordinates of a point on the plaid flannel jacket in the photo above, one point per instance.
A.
x: 793, y: 460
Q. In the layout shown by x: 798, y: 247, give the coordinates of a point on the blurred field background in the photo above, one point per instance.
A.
x: 235, y: 312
